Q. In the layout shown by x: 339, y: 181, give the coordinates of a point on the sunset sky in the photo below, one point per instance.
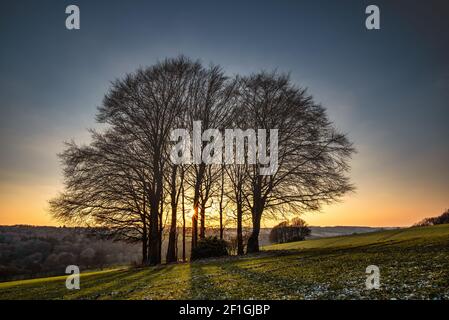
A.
x: 387, y: 89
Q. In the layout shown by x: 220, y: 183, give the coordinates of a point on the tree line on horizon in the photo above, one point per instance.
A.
x: 33, y: 251
x: 290, y: 231
x: 124, y: 178
x: 433, y: 221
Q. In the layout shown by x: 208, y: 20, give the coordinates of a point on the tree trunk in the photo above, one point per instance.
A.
x: 144, y: 244
x: 239, y: 230
x: 176, y: 247
x: 253, y: 240
x: 221, y: 224
x: 195, y: 227
x: 196, y: 201
x: 256, y: 214
x: 155, y: 201
x: 171, y: 250
x: 183, y: 225
x: 221, y: 203
x: 153, y: 257
x: 203, y: 221
x: 160, y: 233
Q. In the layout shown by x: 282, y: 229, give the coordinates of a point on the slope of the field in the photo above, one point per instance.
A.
x: 413, y: 263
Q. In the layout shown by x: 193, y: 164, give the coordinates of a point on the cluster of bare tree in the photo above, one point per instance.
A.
x: 288, y: 231
x: 125, y: 180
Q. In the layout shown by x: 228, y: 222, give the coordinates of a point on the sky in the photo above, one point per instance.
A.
x: 388, y: 89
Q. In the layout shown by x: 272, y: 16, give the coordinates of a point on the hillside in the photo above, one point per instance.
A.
x: 31, y: 252
x: 324, y: 232
x: 414, y: 264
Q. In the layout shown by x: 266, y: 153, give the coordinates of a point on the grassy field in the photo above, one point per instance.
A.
x: 414, y: 264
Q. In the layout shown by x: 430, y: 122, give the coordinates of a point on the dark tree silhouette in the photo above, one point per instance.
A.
x: 211, y: 104
x: 296, y: 230
x: 146, y: 105
x: 125, y: 179
x: 442, y: 219
x: 102, y: 189
x: 175, y: 185
x: 312, y: 157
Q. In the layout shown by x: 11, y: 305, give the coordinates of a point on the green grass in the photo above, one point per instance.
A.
x: 414, y: 264
x: 57, y: 278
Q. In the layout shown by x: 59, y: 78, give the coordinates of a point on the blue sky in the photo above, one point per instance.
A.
x: 388, y: 89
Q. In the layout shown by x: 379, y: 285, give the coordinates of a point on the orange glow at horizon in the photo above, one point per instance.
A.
x: 384, y: 197
x: 388, y: 93
x: 29, y: 205
x: 26, y: 205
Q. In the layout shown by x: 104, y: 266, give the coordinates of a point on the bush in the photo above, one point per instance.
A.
x: 209, y: 247
x: 296, y: 230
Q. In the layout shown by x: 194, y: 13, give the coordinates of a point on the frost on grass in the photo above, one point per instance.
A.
x: 414, y: 264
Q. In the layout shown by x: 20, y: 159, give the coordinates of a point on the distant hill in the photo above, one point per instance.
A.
x: 30, y: 251
x: 324, y: 232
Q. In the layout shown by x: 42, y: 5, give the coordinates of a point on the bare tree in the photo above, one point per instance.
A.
x: 312, y: 155
x: 146, y: 106
x: 296, y: 230
x: 183, y: 216
x: 210, y: 105
x: 102, y: 189
x: 175, y: 190
x: 221, y: 205
x: 125, y: 180
x: 236, y: 176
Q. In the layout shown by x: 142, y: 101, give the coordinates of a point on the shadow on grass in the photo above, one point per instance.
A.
x: 305, y: 253
x: 201, y: 285
x: 123, y: 286
x: 263, y: 284
x: 56, y: 289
